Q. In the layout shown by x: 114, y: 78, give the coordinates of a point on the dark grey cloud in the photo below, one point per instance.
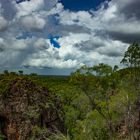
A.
x: 125, y: 37
x: 8, y: 9
x: 125, y: 26
x: 129, y: 8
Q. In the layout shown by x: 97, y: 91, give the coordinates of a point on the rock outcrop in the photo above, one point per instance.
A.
x: 25, y: 106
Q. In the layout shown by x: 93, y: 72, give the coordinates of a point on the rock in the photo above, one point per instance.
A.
x: 23, y: 106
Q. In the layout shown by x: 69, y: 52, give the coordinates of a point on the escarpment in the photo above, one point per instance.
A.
x: 27, y: 111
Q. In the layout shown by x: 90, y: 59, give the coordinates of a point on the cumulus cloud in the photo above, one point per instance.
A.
x: 120, y: 21
x: 85, y: 37
x: 124, y: 25
x: 49, y: 57
x: 28, y: 7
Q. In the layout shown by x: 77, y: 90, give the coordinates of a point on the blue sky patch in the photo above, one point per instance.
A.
x: 53, y: 41
x: 76, y: 5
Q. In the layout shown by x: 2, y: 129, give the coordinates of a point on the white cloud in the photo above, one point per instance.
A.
x: 28, y: 7
x: 81, y: 18
x: 49, y: 57
x: 58, y: 8
x: 86, y: 37
x: 53, y: 63
x: 73, y: 38
x: 108, y: 20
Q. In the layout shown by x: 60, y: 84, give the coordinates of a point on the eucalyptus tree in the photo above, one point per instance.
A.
x: 132, y: 56
x: 98, y: 83
x: 131, y: 60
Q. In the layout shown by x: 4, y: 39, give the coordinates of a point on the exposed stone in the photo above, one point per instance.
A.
x: 25, y: 105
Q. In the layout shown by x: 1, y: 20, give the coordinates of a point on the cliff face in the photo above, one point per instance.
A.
x: 24, y: 106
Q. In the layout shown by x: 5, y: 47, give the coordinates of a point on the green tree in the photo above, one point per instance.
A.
x: 132, y: 56
x: 102, y: 69
x: 20, y: 72
x: 98, y: 83
x: 132, y: 60
x: 6, y: 72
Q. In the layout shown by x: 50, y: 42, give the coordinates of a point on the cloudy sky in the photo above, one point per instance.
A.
x: 58, y: 36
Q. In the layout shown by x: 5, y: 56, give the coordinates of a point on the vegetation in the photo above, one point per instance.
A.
x: 97, y: 103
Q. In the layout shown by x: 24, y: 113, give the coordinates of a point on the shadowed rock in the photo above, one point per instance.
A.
x: 24, y: 106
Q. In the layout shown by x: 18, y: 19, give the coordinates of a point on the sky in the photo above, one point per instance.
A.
x: 56, y: 37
